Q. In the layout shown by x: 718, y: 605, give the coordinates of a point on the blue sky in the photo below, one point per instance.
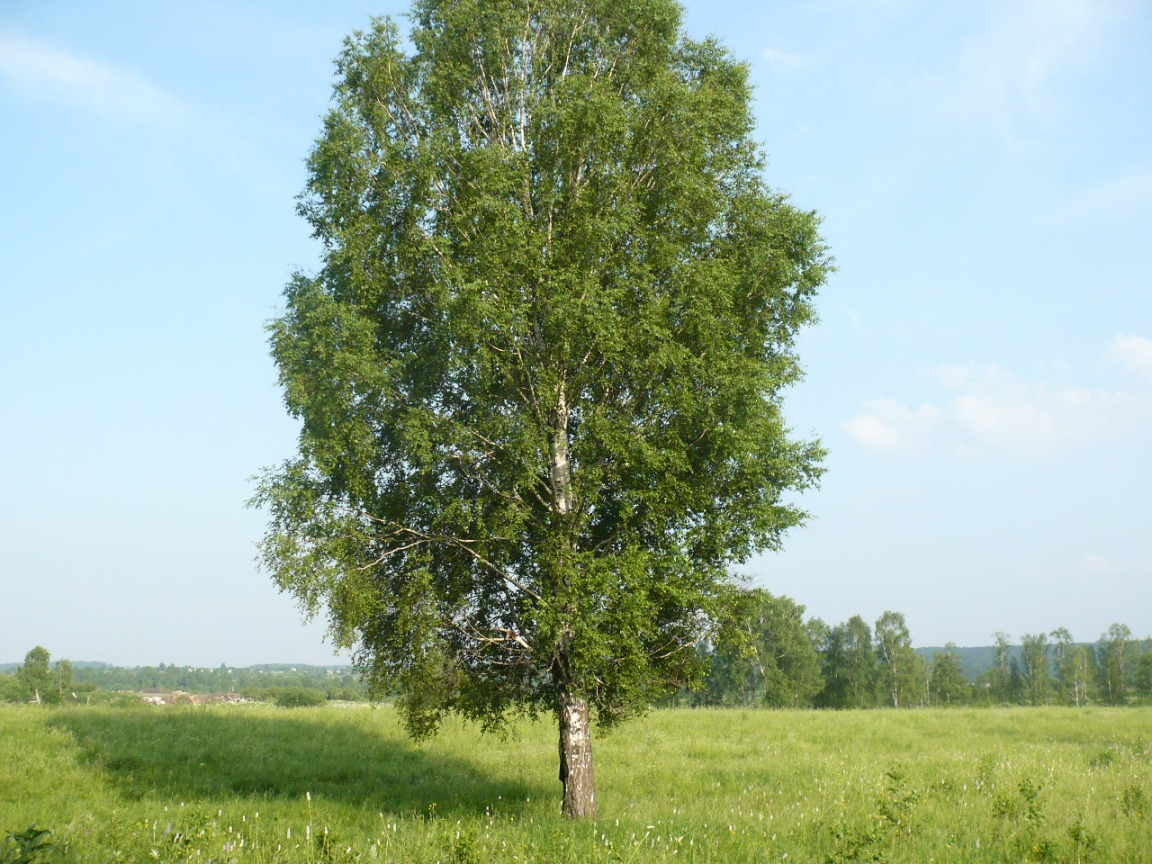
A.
x: 982, y: 371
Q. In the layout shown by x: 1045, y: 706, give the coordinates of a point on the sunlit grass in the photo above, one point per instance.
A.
x: 255, y: 783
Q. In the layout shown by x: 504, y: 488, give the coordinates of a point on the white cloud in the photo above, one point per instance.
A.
x: 988, y: 408
x: 786, y: 61
x: 886, y: 425
x: 1134, y: 353
x: 41, y: 72
x: 852, y: 315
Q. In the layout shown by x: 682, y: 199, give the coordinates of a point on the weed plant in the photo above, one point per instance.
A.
x: 261, y: 784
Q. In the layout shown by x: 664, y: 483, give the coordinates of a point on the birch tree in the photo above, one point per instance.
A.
x: 947, y: 683
x: 1074, y: 667
x: 1036, y: 667
x: 1114, y: 653
x: 539, y: 371
x: 849, y: 666
x: 899, y: 668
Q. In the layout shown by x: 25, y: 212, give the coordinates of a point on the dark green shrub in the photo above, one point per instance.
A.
x: 27, y: 847
x: 298, y: 697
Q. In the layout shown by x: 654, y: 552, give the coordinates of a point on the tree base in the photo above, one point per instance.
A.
x: 576, y: 758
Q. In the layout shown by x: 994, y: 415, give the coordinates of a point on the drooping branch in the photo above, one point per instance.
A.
x: 468, y: 547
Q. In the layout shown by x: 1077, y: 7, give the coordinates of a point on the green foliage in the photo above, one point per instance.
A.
x: 1001, y: 684
x: 1084, y: 841
x: 297, y: 697
x: 1134, y: 802
x: 900, y: 670
x: 335, y: 682
x: 540, y: 372
x: 891, y: 821
x: 1142, y: 677
x: 850, y: 669
x: 763, y: 656
x: 29, y: 846
x: 63, y: 678
x: 37, y: 680
x: 899, y: 799
x: 1030, y: 795
x: 947, y: 684
x: 1115, y: 656
x: 1075, y: 668
x: 35, y: 676
x: 854, y: 845
x: 1036, y: 668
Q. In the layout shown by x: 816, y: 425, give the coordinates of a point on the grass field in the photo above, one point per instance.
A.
x: 261, y: 784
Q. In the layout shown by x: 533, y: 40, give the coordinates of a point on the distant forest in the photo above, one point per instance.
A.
x: 770, y: 655
x: 766, y: 655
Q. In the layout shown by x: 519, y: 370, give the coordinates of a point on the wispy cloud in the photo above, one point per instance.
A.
x: 38, y: 71
x: 1104, y: 565
x: 990, y: 409
x: 1134, y: 353
x: 787, y: 61
x: 1129, y: 190
x: 1007, y: 70
x: 887, y: 425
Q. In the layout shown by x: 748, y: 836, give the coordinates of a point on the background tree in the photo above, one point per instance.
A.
x: 37, y: 681
x: 1062, y: 647
x: 948, y: 684
x: 849, y: 666
x: 539, y: 371
x: 735, y: 675
x: 1114, y: 654
x: 64, y: 678
x: 765, y: 657
x: 1085, y: 674
x: 10, y: 689
x: 726, y: 682
x: 900, y: 668
x: 817, y: 631
x: 997, y: 681
x: 1075, y: 667
x: 1036, y: 668
x: 1142, y: 674
x: 1015, y: 692
x: 794, y: 677
x: 35, y: 675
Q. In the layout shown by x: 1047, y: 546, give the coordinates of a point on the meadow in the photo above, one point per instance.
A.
x: 264, y: 784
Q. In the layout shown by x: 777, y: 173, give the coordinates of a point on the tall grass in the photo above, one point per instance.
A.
x: 260, y: 784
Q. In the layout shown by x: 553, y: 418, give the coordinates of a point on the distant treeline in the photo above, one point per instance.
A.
x: 766, y: 655
x: 39, y: 680
x: 769, y: 655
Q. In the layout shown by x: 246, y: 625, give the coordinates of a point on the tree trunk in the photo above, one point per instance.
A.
x: 559, y: 466
x: 571, y: 708
x: 576, y: 757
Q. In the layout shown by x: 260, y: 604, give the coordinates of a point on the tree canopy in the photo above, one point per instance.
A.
x: 38, y: 680
x: 764, y: 656
x: 539, y: 371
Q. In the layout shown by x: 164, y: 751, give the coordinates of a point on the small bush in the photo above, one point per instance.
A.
x: 27, y: 847
x: 298, y: 697
x: 1133, y: 801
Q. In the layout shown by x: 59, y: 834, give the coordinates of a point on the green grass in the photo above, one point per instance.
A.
x: 261, y: 784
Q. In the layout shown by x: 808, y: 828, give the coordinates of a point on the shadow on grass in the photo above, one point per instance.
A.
x: 195, y: 754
